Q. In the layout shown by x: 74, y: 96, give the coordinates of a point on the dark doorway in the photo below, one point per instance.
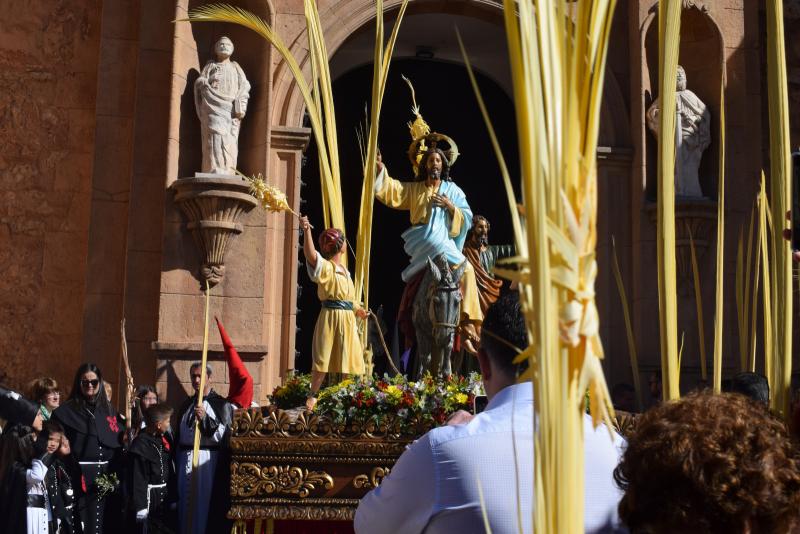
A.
x: 448, y: 105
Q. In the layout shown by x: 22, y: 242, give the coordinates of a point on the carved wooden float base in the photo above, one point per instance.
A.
x: 298, y: 466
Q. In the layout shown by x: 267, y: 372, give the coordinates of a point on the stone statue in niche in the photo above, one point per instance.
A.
x: 692, y: 137
x: 220, y: 96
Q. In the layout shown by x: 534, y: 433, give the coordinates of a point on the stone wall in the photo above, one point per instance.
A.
x: 48, y: 71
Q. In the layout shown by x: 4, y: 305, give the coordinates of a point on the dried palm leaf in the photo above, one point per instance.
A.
x: 741, y: 321
x: 558, y: 65
x: 382, y: 61
x: 720, y: 284
x: 626, y: 314
x: 698, y: 300
x: 669, y: 22
x: 270, y: 197
x: 767, y: 273
x: 751, y: 277
x: 780, y: 196
x: 199, y: 403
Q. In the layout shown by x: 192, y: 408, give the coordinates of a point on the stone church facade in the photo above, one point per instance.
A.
x: 97, y: 121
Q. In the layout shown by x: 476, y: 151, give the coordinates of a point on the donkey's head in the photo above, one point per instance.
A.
x: 444, y: 300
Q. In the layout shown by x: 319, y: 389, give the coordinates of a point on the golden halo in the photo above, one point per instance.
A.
x: 420, y: 146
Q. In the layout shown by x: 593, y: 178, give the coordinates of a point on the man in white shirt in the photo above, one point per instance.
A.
x: 433, y: 488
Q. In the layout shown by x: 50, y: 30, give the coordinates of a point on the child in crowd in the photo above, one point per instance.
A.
x: 146, y: 396
x: 151, y: 472
x: 37, y: 493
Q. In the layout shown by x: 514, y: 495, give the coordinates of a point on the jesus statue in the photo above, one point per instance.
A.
x: 440, y: 219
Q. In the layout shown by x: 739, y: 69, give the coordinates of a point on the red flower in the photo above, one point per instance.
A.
x: 165, y: 442
x: 112, y: 423
x: 83, y: 484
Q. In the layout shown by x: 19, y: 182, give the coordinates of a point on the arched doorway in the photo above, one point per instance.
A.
x: 428, y: 54
x: 452, y: 111
x: 448, y: 104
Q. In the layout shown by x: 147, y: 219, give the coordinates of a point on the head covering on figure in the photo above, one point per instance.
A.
x: 331, y: 242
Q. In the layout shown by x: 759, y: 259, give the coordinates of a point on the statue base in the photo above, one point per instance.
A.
x: 213, y: 205
x: 695, y: 216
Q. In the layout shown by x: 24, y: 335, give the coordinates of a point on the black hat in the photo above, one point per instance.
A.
x: 15, y: 408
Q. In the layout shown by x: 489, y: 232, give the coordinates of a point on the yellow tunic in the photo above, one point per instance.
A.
x: 416, y: 198
x: 336, y: 346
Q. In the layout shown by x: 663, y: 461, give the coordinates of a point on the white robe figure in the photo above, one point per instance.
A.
x: 692, y: 136
x: 221, y: 94
x: 206, y: 467
x: 38, y: 518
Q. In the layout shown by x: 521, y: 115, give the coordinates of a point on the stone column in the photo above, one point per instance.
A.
x: 280, y: 311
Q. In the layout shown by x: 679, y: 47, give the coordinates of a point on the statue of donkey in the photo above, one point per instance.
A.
x: 435, y: 314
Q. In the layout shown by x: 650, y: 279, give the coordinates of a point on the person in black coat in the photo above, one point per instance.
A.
x: 14, y: 408
x: 95, y: 436
x: 212, y: 477
x: 62, y: 494
x: 151, y: 473
x: 36, y: 488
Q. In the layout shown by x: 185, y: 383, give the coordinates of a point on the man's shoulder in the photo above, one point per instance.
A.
x: 601, y: 440
x: 497, y: 422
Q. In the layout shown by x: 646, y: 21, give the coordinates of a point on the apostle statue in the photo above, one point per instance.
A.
x: 483, y: 258
x: 692, y: 136
x: 220, y: 96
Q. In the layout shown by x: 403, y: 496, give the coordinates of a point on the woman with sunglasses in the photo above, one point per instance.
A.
x: 95, y: 435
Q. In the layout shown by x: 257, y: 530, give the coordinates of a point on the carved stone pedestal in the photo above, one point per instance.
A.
x: 695, y: 215
x: 213, y: 204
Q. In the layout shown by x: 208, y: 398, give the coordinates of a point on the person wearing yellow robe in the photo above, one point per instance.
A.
x: 336, y: 346
x: 440, y: 218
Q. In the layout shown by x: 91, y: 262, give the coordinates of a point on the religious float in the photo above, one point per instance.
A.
x: 294, y: 464
x: 291, y: 464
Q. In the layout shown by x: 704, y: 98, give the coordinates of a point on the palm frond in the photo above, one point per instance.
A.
x: 780, y: 196
x: 669, y: 21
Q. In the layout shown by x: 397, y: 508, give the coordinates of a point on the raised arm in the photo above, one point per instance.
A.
x: 389, y: 191
x: 309, y: 251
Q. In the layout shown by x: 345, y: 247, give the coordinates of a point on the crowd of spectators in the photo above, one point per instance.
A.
x: 705, y: 463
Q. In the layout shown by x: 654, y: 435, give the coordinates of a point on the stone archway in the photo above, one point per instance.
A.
x: 345, y: 18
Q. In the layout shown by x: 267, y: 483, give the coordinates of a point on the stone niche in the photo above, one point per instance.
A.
x: 701, y: 56
x: 241, y: 298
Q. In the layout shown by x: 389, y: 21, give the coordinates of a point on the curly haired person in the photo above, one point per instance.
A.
x: 709, y: 464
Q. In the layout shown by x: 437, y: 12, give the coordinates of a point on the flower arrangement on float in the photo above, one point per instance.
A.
x: 293, y: 392
x: 426, y: 402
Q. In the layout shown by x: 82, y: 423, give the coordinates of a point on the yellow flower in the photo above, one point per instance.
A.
x: 460, y: 398
x: 394, y: 392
